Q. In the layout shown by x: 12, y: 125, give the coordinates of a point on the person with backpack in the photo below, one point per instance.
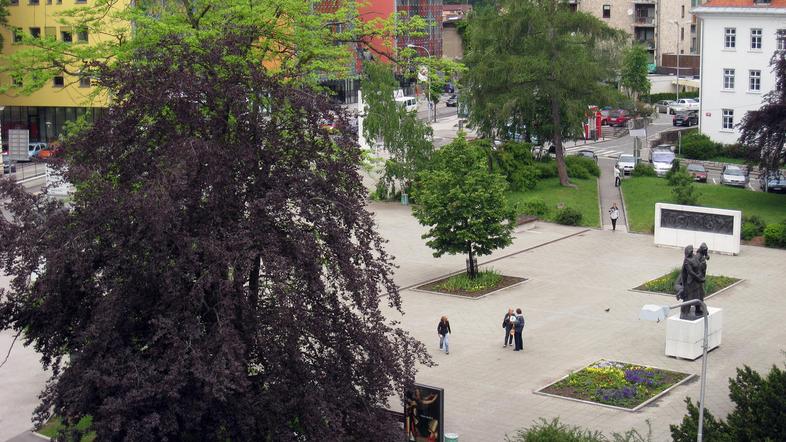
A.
x: 507, y: 324
x: 443, y: 330
x: 518, y: 330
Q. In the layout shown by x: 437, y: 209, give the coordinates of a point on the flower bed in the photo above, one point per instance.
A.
x: 616, y: 384
x: 665, y: 283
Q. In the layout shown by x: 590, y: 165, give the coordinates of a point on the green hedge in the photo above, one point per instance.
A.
x: 775, y: 235
x: 752, y: 227
x: 568, y: 216
x: 643, y: 169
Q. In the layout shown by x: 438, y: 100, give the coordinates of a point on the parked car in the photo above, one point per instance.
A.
x: 604, y: 115
x: 452, y: 101
x: 626, y: 163
x: 775, y: 182
x: 50, y: 151
x: 685, y: 118
x: 8, y: 165
x: 684, y: 104
x: 698, y: 172
x: 618, y: 117
x: 662, y: 160
x: 34, y: 148
x: 588, y: 154
x: 733, y: 176
x: 662, y: 106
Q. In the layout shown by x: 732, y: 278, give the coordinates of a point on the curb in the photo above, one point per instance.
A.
x: 624, y: 207
x: 39, y: 435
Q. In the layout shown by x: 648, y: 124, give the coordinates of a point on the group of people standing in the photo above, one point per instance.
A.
x: 513, y: 323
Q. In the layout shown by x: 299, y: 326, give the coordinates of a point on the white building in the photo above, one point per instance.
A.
x: 739, y: 38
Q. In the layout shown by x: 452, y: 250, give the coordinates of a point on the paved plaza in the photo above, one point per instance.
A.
x: 575, y: 275
x: 572, y: 281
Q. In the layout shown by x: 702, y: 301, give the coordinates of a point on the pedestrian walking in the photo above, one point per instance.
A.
x: 614, y: 214
x: 519, y: 328
x: 617, y: 177
x: 443, y: 330
x: 507, y: 324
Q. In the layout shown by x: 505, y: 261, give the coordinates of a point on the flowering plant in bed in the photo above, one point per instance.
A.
x: 615, y: 383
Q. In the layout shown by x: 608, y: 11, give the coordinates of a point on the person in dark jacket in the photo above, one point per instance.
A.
x: 507, y: 324
x: 519, y: 328
x: 443, y: 330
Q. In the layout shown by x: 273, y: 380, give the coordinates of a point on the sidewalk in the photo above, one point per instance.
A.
x: 608, y: 193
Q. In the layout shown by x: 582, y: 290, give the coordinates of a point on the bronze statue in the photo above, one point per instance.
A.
x: 690, y: 282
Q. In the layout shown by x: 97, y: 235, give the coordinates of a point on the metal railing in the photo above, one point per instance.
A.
x: 645, y: 20
x: 26, y: 170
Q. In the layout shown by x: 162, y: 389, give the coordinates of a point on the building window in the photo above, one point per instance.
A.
x: 32, y: 2
x: 728, y: 79
x: 756, y: 38
x: 730, y: 41
x: 683, y: 11
x: 66, y: 36
x: 728, y: 119
x: 58, y: 81
x: 16, y: 81
x: 606, y: 11
x: 80, y: 1
x: 84, y: 81
x: 81, y: 36
x: 754, y: 83
x: 35, y: 32
x: 17, y: 35
x: 682, y: 34
x: 14, y: 3
x: 780, y: 37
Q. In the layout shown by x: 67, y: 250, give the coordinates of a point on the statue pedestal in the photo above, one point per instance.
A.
x: 684, y: 338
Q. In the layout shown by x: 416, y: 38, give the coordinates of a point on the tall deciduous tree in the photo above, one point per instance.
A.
x: 216, y: 276
x: 763, y: 131
x: 464, y: 204
x: 634, y: 71
x: 404, y: 136
x: 536, y: 64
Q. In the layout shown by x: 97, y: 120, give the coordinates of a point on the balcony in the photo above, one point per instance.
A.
x: 647, y: 43
x: 644, y: 20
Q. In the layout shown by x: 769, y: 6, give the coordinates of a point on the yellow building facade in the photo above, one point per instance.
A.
x: 65, y: 97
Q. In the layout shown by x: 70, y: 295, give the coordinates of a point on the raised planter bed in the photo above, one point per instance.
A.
x: 614, y: 384
x: 664, y: 285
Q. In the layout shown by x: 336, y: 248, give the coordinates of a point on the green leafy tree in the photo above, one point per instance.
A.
x: 536, y: 66
x: 3, y: 18
x: 683, y: 189
x: 759, y: 413
x: 634, y: 72
x: 404, y: 136
x: 464, y: 204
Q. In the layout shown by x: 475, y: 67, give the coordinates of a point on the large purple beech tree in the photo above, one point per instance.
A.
x: 216, y: 276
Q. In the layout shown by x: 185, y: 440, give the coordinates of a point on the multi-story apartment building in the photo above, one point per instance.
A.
x: 663, y: 26
x: 739, y: 38
x: 45, y: 111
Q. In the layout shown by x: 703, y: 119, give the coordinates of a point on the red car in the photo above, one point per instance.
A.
x: 618, y: 117
x: 698, y: 172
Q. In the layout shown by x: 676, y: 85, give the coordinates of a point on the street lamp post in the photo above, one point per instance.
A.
x: 651, y: 312
x: 428, y: 80
x: 679, y: 47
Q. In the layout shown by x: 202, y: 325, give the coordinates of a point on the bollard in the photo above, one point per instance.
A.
x: 404, y: 199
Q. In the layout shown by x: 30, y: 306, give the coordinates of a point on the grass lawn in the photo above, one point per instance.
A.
x: 54, y: 425
x: 641, y: 194
x: 583, y: 198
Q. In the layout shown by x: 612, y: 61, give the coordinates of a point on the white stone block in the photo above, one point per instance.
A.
x: 716, y: 242
x: 684, y: 338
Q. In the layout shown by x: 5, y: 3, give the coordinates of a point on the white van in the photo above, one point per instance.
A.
x: 409, y: 103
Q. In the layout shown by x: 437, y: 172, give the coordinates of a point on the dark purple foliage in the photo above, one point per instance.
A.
x: 763, y: 131
x: 217, y: 276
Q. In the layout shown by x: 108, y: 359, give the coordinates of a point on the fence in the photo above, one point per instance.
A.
x: 26, y: 170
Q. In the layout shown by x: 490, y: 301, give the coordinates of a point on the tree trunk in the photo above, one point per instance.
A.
x: 556, y: 121
x: 253, y: 283
x: 472, y: 271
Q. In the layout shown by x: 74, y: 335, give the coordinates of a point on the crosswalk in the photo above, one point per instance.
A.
x: 600, y: 151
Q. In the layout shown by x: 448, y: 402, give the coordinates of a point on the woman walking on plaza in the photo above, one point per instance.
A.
x: 443, y: 330
x: 614, y: 214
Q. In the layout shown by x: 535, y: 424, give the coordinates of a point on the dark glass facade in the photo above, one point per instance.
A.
x: 44, y: 123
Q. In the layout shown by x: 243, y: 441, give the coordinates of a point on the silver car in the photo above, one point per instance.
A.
x: 625, y: 163
x: 662, y: 106
x: 733, y: 176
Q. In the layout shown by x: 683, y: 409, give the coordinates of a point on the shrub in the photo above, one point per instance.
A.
x: 524, y: 178
x: 734, y: 151
x: 682, y: 188
x: 547, y: 169
x: 752, y: 227
x: 670, y: 175
x: 698, y: 146
x: 775, y: 235
x: 535, y: 207
x: 568, y: 216
x: 581, y: 167
x: 643, y: 169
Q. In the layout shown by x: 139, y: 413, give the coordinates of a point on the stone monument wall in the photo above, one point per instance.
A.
x: 679, y: 226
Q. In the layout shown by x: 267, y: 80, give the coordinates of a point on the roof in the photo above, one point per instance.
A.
x: 744, y: 4
x: 452, y: 8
